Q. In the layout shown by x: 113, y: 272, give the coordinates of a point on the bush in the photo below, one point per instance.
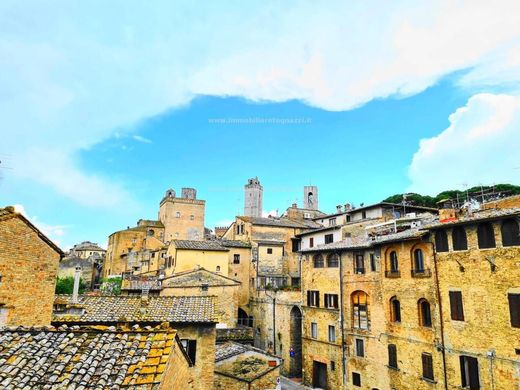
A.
x: 66, y: 285
x: 111, y: 286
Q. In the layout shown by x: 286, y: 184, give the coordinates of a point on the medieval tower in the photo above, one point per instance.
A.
x: 253, y: 194
x: 310, y: 197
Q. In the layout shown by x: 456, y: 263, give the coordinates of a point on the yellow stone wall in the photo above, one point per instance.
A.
x: 189, y: 259
x: 267, y: 381
x: 190, y: 223
x: 241, y: 272
x: 28, y: 267
x: 177, y: 373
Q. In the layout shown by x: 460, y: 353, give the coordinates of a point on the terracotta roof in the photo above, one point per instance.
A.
x: 84, y: 358
x: 9, y: 212
x: 197, y: 278
x: 113, y: 309
x: 234, y: 244
x: 281, y: 222
x: 199, y: 245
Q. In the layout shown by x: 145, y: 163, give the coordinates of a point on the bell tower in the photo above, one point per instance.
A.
x: 253, y: 197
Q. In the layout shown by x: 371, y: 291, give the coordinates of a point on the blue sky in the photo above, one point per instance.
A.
x: 103, y: 112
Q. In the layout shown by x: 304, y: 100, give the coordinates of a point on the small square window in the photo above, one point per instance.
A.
x: 236, y: 259
x: 356, y: 379
x: 269, y: 251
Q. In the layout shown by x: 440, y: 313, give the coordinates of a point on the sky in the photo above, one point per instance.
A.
x: 102, y: 112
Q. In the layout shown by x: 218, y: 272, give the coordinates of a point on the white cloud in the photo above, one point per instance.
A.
x: 142, y: 139
x: 77, y: 76
x: 272, y: 213
x: 479, y: 147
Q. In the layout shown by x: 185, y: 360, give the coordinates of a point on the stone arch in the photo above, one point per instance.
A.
x: 244, y: 319
x: 295, y: 365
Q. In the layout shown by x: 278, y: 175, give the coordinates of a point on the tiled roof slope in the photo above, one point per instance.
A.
x: 113, y: 309
x: 83, y: 358
x: 199, y: 245
x: 234, y: 244
x: 281, y: 222
x: 197, y: 278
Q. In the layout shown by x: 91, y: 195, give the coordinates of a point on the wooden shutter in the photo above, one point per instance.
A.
x: 317, y: 299
x: 392, y: 355
x: 456, y: 307
x: 514, y: 309
x: 308, y: 298
x: 427, y: 366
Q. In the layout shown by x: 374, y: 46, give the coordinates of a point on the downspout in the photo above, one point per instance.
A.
x: 443, y: 349
x: 342, y: 321
x: 274, y: 324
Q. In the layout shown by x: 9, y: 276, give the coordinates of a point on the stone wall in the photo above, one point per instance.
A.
x: 177, y: 373
x: 28, y: 269
x: 183, y: 219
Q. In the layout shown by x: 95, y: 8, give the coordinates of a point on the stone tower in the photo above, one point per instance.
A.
x: 253, y: 195
x: 310, y: 197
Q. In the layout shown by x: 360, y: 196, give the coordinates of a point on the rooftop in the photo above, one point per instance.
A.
x: 197, y: 278
x: 234, y: 244
x: 280, y: 222
x: 476, y: 216
x: 199, y: 245
x: 84, y: 357
x: 114, y: 309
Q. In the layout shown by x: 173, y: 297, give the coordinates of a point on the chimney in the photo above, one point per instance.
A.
x: 294, y: 206
x: 347, y: 206
x: 75, y: 291
x: 338, y: 208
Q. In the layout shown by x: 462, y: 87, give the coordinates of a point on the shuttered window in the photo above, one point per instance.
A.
x: 441, y: 241
x: 486, y: 235
x: 392, y: 355
x: 514, y: 309
x: 313, y: 298
x: 460, y: 241
x: 427, y: 366
x: 469, y: 372
x: 510, y: 233
x: 456, y: 307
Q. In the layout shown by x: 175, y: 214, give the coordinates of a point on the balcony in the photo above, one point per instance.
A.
x: 393, y: 274
x: 421, y: 273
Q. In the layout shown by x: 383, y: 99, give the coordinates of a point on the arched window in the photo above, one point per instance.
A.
x: 359, y: 300
x: 460, y: 241
x: 486, y: 235
x: 418, y: 260
x: 150, y: 232
x: 317, y: 261
x: 394, y: 263
x: 441, y: 241
x: 425, y: 314
x: 218, y: 268
x: 510, y: 233
x: 395, y: 310
x: 333, y: 260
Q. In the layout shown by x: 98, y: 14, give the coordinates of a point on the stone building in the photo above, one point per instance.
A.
x: 477, y: 258
x: 243, y: 367
x: 253, y: 198
x: 89, y: 257
x: 93, y: 357
x: 194, y: 319
x: 179, y: 218
x: 186, y: 255
x: 28, y: 268
x: 87, y: 249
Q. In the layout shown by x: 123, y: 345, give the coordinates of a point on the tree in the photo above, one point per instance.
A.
x: 66, y: 285
x: 111, y: 286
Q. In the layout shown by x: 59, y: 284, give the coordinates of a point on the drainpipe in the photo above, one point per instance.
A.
x: 342, y: 321
x: 440, y: 314
x: 75, y: 291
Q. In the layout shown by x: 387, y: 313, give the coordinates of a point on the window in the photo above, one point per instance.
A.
x: 360, y: 348
x: 332, y: 333
x: 394, y: 262
x: 333, y: 260
x: 359, y: 264
x: 190, y: 346
x: 329, y: 238
x: 514, y: 309
x: 313, y: 298
x: 311, y: 242
x: 295, y: 281
x: 331, y: 301
x: 425, y: 314
x: 3, y: 315
x: 392, y: 356
x: 364, y: 214
x: 427, y: 366
x: 460, y: 241
x: 510, y: 233
x: 359, y: 310
x: 332, y: 365
x: 269, y: 251
x: 469, y: 372
x: 356, y: 379
x: 332, y: 222
x: 295, y: 245
x: 395, y: 310
x: 486, y: 235
x: 441, y: 241
x: 205, y: 287
x: 317, y: 261
x: 456, y: 308
x: 177, y: 214
x: 347, y: 218
x: 192, y: 217
x: 373, y: 267
x: 314, y: 330
x: 236, y: 258
x: 418, y: 260
x: 217, y: 269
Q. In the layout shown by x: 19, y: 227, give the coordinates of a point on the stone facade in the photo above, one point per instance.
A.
x: 253, y: 198
x: 28, y: 268
x: 183, y: 218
